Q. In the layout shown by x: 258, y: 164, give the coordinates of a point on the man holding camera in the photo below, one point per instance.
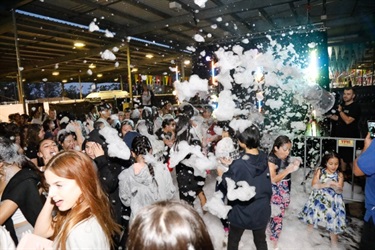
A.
x: 365, y: 165
x: 346, y: 126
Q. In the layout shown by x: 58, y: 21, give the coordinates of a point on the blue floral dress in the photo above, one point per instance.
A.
x: 325, y: 207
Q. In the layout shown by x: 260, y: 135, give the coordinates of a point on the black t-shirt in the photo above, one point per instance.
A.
x: 23, y: 190
x: 281, y: 164
x: 348, y: 130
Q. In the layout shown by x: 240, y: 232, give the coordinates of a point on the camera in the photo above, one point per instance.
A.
x: 371, y: 128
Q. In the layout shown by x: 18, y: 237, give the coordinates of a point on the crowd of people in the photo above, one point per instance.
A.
x: 104, y: 181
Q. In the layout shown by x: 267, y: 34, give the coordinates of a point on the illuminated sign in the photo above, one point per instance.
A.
x: 346, y: 143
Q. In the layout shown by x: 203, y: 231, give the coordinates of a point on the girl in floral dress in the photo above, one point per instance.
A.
x: 325, y: 206
x: 281, y: 167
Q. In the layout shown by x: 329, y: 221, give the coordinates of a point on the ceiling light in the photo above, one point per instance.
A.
x: 55, y: 73
x: 99, y: 75
x: 134, y: 69
x: 92, y: 66
x: 79, y: 44
x: 187, y: 62
x: 64, y: 81
x: 149, y: 56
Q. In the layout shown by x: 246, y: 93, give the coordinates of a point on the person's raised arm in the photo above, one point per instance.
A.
x: 43, y: 226
x: 78, y: 132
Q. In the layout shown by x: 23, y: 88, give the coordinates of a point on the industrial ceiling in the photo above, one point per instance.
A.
x: 47, y: 29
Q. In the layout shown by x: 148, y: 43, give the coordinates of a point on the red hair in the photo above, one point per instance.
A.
x: 92, y: 202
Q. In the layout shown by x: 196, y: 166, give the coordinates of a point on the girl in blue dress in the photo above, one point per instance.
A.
x: 326, y: 206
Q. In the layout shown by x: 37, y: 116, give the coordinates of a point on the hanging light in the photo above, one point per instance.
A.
x: 99, y: 75
x: 55, y: 73
x: 79, y: 44
x: 92, y: 66
x: 150, y: 56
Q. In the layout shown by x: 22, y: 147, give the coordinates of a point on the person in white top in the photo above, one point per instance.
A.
x: 6, y: 241
x: 82, y: 219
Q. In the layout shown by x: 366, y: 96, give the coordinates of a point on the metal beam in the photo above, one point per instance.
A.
x: 227, y: 9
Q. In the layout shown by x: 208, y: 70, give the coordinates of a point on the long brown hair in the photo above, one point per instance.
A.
x: 168, y: 225
x: 32, y: 136
x: 92, y: 202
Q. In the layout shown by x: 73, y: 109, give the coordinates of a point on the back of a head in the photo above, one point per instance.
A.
x: 168, y: 225
x: 46, y: 124
x: 187, y: 109
x: 8, y: 152
x: 33, y: 133
x: 250, y: 137
x: 141, y: 145
x: 182, y: 121
x: 147, y: 113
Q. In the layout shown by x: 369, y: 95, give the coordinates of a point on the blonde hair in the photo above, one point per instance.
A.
x: 92, y: 202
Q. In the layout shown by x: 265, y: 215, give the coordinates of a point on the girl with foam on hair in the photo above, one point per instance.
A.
x: 146, y: 181
x: 83, y: 219
x: 190, y: 186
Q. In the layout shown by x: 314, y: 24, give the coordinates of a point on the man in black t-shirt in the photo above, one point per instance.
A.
x: 346, y: 125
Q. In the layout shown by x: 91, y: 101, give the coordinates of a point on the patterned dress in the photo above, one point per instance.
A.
x: 280, y: 197
x: 325, y: 207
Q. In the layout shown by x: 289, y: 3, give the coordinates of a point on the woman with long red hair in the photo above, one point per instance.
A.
x: 83, y: 219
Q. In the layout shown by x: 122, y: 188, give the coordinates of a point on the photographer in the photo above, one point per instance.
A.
x: 346, y: 125
x: 365, y: 165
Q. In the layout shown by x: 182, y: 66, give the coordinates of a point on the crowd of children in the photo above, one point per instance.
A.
x: 96, y: 172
